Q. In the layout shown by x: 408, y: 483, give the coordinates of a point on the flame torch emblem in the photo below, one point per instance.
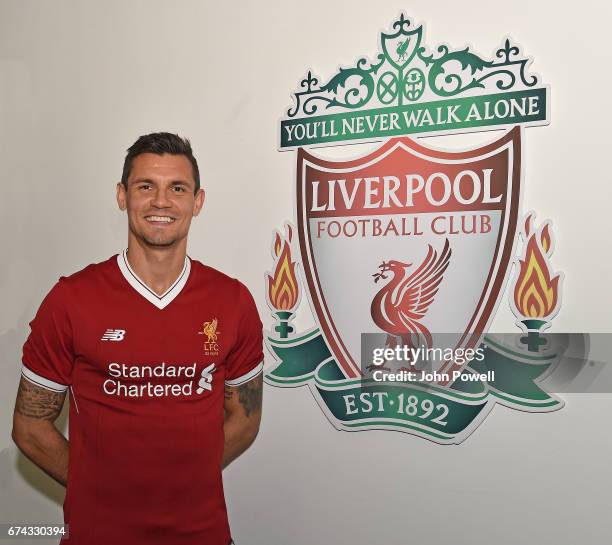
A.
x: 536, y: 290
x: 283, y: 289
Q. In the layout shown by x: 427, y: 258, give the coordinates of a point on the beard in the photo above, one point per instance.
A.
x: 158, y: 240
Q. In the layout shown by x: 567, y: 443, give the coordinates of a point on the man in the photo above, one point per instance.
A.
x: 162, y: 357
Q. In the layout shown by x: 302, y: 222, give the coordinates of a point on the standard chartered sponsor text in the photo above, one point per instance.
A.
x: 129, y: 388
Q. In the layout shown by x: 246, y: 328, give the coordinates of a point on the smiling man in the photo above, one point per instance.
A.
x: 162, y: 357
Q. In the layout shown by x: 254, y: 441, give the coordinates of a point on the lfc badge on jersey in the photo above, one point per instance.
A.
x: 209, y: 329
x: 406, y: 250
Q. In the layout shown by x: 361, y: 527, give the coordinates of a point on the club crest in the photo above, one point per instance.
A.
x: 405, y: 251
x: 211, y: 343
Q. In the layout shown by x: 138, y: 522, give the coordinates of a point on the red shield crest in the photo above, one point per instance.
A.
x: 408, y: 241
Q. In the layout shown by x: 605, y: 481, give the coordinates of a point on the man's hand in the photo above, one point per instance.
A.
x: 36, y: 409
x: 242, y: 417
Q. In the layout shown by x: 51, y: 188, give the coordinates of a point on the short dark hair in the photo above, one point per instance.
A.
x: 160, y: 143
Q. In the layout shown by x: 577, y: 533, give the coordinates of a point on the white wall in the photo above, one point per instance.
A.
x: 80, y: 80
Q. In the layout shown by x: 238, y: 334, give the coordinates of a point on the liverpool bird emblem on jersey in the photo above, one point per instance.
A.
x: 211, y: 347
x: 408, y: 248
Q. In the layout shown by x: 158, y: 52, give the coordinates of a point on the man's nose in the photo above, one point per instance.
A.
x: 160, y: 199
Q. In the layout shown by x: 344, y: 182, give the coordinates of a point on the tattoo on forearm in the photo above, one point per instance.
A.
x: 37, y: 402
x: 249, y: 395
x: 228, y: 393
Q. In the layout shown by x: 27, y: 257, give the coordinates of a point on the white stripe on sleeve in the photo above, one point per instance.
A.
x: 247, y: 376
x: 42, y: 381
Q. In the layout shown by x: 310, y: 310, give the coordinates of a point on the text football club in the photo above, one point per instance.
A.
x: 406, y: 251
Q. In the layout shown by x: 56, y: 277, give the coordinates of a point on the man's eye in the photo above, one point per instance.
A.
x: 179, y: 188
x: 145, y: 186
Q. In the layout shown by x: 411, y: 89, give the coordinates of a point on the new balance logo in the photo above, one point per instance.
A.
x: 113, y: 335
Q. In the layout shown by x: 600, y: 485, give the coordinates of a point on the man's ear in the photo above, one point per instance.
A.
x: 199, y: 202
x: 121, y: 196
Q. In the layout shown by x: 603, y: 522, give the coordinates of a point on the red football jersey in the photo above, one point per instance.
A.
x: 146, y: 375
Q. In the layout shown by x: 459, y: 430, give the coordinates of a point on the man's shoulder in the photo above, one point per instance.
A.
x: 231, y: 291
x: 210, y: 273
x: 207, y: 276
x: 90, y: 273
x: 80, y: 285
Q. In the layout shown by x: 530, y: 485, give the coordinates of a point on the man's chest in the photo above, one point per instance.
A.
x: 129, y: 352
x: 197, y: 336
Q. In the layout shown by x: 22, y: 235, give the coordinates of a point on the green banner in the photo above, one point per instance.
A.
x: 446, y: 415
x: 526, y: 107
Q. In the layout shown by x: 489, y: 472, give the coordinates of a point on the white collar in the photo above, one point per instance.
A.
x: 160, y: 301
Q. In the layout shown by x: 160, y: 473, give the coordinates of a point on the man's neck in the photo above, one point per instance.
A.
x: 158, y: 267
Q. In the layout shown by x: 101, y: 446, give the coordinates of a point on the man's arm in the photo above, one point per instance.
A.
x: 242, y: 417
x: 34, y: 432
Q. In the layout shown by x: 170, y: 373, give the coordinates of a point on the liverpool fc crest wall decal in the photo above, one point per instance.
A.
x: 406, y: 251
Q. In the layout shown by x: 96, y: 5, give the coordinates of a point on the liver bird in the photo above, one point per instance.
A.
x: 210, y: 330
x: 402, y: 49
x: 401, y: 304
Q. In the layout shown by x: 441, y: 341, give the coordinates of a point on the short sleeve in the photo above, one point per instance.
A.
x: 245, y: 359
x: 48, y: 355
